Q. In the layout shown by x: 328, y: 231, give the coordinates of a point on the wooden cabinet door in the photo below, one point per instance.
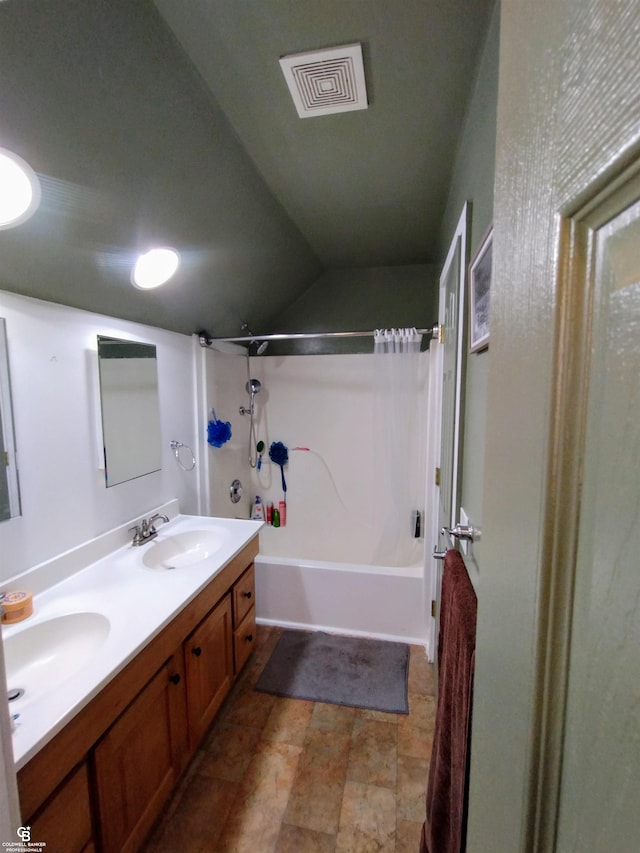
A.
x: 64, y: 822
x: 209, y: 668
x: 138, y: 761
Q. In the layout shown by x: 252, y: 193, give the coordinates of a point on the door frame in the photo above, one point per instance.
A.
x: 572, y: 350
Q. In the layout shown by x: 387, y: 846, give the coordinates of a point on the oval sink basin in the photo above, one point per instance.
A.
x: 41, y: 657
x: 184, y: 549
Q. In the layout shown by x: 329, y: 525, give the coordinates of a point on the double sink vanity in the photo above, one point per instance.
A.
x: 120, y: 671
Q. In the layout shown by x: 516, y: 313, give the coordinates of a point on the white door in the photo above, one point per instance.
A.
x: 451, y: 319
x: 451, y: 361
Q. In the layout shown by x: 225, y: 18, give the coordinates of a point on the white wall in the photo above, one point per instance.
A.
x: 53, y: 365
x: 324, y: 402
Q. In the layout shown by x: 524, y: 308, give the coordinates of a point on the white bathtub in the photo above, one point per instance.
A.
x: 359, y: 600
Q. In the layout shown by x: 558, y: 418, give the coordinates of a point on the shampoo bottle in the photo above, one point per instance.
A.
x: 258, y: 512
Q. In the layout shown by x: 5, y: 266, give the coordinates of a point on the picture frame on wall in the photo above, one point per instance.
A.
x: 480, y: 294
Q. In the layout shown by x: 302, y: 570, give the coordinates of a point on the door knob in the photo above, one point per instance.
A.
x: 461, y: 531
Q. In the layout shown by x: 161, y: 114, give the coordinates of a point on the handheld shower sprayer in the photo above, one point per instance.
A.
x: 252, y: 388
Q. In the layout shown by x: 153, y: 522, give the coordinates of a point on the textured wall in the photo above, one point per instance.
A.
x: 568, y: 114
x: 473, y: 180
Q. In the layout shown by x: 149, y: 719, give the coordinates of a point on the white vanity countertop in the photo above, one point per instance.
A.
x: 138, y: 602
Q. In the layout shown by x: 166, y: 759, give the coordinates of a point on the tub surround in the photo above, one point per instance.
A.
x: 336, y: 503
x: 319, y: 571
x: 107, y: 575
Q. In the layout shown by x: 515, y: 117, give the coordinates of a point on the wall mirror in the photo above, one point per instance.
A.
x: 130, y: 409
x: 9, y: 487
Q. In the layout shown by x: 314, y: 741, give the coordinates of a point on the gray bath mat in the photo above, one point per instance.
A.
x: 351, y: 671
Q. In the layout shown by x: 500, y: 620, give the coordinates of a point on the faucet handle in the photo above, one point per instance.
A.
x: 138, y: 533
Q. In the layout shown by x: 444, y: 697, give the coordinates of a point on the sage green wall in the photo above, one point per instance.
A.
x: 473, y: 181
x: 568, y: 127
x: 360, y: 299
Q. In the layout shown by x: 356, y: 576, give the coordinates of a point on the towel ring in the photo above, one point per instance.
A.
x: 177, y: 446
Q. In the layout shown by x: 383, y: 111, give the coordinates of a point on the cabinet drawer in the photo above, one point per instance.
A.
x: 244, y: 595
x: 244, y: 639
x: 64, y: 822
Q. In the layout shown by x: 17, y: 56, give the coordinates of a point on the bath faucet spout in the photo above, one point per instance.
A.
x: 146, y: 530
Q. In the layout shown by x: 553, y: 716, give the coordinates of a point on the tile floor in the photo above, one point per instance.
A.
x: 290, y: 776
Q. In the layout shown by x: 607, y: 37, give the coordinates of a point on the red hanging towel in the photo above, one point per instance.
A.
x: 444, y: 830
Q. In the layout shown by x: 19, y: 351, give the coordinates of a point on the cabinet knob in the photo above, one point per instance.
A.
x: 249, y: 638
x: 197, y: 651
x: 175, y: 678
x: 247, y: 594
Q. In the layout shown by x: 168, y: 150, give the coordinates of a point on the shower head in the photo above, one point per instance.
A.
x: 259, y: 345
x: 253, y: 387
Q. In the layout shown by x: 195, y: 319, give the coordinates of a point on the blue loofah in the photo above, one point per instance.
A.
x: 279, y: 455
x: 218, y: 432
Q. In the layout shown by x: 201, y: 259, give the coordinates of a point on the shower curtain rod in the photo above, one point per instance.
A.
x: 206, y: 340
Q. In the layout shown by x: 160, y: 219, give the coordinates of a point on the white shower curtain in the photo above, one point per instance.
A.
x: 398, y: 436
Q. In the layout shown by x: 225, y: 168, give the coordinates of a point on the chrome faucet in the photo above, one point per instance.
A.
x: 146, y: 530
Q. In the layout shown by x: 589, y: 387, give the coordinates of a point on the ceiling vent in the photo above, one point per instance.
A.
x: 326, y: 81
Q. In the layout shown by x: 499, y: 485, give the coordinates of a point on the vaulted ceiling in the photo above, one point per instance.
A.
x: 171, y: 123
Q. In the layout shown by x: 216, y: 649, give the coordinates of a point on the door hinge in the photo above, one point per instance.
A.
x: 437, y: 477
x: 433, y: 609
x: 440, y: 335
